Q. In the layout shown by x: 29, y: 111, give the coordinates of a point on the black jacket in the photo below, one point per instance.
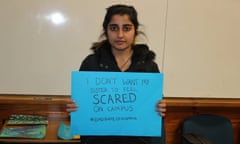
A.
x: 103, y: 60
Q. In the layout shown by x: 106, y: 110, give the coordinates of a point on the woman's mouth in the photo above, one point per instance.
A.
x: 119, y: 42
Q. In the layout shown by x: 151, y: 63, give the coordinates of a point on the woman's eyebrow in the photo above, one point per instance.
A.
x: 128, y: 25
x: 123, y: 24
x: 112, y: 25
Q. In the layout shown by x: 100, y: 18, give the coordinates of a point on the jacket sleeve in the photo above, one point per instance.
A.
x: 90, y: 63
x: 155, y: 67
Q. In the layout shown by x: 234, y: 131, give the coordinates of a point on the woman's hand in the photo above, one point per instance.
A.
x: 161, y: 107
x: 71, y: 105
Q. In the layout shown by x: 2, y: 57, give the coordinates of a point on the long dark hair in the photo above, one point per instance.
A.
x: 118, y: 9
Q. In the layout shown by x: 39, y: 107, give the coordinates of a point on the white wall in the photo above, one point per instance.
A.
x: 199, y: 55
x: 37, y: 56
x: 202, y: 48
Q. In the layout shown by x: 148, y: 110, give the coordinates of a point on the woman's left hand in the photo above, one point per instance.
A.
x: 161, y: 107
x: 71, y: 106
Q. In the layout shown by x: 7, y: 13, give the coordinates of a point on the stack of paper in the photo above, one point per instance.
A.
x: 25, y: 126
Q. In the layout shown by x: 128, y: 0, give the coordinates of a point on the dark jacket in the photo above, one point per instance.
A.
x: 103, y: 60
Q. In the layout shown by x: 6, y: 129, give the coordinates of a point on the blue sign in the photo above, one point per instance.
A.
x: 116, y: 103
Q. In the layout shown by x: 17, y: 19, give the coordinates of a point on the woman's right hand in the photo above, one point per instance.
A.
x: 71, y: 106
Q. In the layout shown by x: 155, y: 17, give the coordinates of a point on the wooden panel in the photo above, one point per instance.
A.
x: 177, y: 110
x: 52, y: 106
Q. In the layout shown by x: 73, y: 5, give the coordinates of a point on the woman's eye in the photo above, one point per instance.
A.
x: 113, y: 28
x: 127, y: 28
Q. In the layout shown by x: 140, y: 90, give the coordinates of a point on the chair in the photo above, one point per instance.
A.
x: 208, y: 127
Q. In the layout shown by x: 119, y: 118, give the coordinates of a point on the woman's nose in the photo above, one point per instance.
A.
x: 120, y: 33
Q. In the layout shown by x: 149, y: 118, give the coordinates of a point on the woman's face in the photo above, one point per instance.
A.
x: 121, y: 32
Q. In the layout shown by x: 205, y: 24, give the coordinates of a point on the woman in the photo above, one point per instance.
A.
x: 119, y: 53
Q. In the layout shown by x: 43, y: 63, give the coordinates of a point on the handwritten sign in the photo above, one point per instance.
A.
x: 116, y: 103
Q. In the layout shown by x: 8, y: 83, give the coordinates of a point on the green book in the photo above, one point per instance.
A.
x: 26, y: 120
x: 33, y: 132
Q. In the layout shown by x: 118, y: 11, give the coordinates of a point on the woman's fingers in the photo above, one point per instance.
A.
x: 162, y: 107
x: 71, y: 106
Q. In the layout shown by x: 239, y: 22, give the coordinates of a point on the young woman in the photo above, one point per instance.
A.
x: 119, y: 53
